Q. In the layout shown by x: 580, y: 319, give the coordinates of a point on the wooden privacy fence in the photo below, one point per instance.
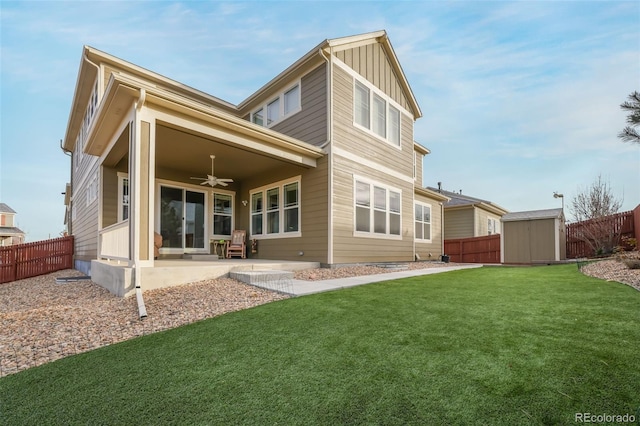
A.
x: 38, y: 258
x: 474, y: 250
x: 616, y: 226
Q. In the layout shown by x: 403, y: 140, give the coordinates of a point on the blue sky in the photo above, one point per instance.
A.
x: 519, y: 99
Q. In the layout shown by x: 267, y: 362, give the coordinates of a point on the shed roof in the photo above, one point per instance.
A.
x: 6, y: 209
x: 533, y: 215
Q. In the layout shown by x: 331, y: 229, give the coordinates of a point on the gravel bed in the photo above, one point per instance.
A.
x: 356, y: 271
x: 42, y: 321
x: 614, y: 270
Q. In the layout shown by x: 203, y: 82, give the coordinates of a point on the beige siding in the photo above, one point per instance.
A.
x: 371, y: 62
x: 109, y: 196
x: 419, y: 169
x: 529, y: 241
x: 314, y: 213
x: 458, y: 223
x: 432, y: 250
x: 310, y: 124
x: 348, y: 248
x: 85, y: 224
x: 482, y: 225
x: 361, y: 143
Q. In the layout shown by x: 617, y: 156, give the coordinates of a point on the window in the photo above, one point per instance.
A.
x: 92, y: 191
x: 278, y: 108
x: 377, y: 209
x: 375, y: 113
x: 257, y: 117
x: 273, y: 111
x: 292, y: 100
x: 123, y: 197
x: 362, y: 105
x: 493, y: 226
x: 222, y: 214
x: 423, y: 222
x: 275, y: 210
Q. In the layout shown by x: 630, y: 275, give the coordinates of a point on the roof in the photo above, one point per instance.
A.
x: 315, y: 56
x: 533, y: 215
x: 457, y: 200
x: 6, y: 209
x: 435, y: 195
x: 10, y: 230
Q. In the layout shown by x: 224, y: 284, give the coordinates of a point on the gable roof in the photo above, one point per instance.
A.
x: 315, y: 57
x: 534, y: 215
x: 6, y: 209
x: 457, y: 200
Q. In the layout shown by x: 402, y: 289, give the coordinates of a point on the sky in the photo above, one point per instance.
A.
x: 520, y: 99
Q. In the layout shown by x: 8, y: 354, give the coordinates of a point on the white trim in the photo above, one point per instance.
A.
x: 423, y: 240
x: 281, y: 209
x: 372, y: 164
x: 281, y: 113
x: 388, y: 189
x: 367, y: 83
x: 232, y: 194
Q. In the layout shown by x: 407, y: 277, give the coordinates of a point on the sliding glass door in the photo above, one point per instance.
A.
x: 182, y: 219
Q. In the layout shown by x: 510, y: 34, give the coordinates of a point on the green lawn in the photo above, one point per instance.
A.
x: 483, y: 346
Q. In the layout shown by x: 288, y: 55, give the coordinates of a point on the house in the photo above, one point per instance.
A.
x: 320, y: 163
x: 535, y: 236
x: 467, y: 217
x: 9, y: 233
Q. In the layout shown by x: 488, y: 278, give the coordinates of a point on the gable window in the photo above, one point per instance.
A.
x: 275, y: 210
x: 374, y: 112
x: 278, y: 108
x: 123, y: 197
x: 222, y: 214
x: 423, y: 222
x: 377, y: 209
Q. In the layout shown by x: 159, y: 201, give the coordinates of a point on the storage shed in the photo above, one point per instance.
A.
x: 536, y: 236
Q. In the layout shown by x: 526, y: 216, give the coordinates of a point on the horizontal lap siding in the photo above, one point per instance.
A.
x: 458, y: 223
x: 432, y: 250
x: 310, y: 124
x: 361, y: 143
x: 85, y: 224
x: 314, y: 212
x: 351, y: 249
x: 482, y: 225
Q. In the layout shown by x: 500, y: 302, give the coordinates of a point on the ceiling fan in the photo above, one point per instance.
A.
x: 211, y: 179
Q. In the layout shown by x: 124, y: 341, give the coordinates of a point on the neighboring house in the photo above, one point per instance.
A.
x: 9, y: 233
x: 323, y: 162
x: 467, y: 217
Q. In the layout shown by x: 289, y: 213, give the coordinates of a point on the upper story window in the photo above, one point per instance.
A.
x: 373, y: 111
x: 275, y: 210
x: 377, y: 209
x: 276, y: 109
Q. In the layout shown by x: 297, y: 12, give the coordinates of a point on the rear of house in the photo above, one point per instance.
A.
x: 320, y: 164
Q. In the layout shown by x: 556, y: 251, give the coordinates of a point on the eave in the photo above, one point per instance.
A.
x: 431, y: 194
x: 123, y: 91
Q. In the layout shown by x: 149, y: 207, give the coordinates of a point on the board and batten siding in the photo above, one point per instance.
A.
x: 431, y: 250
x: 310, y: 124
x: 370, y: 61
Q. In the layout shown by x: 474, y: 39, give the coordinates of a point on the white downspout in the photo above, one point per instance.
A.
x: 142, y: 310
x: 330, y: 154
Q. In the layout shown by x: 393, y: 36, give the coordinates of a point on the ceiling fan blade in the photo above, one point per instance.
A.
x: 220, y: 182
x: 206, y: 181
x: 225, y: 180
